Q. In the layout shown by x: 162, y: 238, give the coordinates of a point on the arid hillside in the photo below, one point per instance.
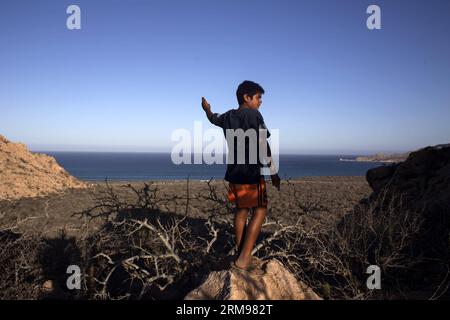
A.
x: 27, y: 174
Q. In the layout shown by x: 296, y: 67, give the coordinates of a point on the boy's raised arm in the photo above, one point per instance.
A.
x: 207, y: 107
x: 214, y: 118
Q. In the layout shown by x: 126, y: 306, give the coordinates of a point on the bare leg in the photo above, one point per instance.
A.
x: 240, y: 222
x: 252, y: 233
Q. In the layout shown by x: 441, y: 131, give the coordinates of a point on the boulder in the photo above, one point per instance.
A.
x: 268, y: 281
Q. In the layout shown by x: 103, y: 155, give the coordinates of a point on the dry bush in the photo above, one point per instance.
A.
x: 20, y: 270
x: 28, y: 261
x: 143, y: 252
x: 333, y: 259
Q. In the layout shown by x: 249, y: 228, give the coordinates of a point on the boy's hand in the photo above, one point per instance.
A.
x: 276, y: 181
x: 205, y: 105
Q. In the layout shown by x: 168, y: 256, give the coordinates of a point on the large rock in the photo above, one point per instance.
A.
x: 27, y: 174
x: 423, y: 181
x: 269, y: 281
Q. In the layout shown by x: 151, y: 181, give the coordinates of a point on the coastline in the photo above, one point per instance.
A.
x: 267, y: 178
x: 369, y: 160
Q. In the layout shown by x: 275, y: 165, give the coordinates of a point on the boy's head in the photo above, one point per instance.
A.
x: 249, y: 93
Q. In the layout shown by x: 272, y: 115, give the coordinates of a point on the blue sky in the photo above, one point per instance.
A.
x: 137, y: 70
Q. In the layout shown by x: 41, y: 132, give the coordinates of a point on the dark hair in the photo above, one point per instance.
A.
x: 247, y: 87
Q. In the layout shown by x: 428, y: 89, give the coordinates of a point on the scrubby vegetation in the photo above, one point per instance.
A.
x: 143, y: 250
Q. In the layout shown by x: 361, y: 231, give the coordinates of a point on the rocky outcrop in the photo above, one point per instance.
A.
x: 423, y: 182
x: 27, y: 174
x: 268, y: 281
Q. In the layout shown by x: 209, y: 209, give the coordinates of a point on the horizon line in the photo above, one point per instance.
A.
x: 326, y: 153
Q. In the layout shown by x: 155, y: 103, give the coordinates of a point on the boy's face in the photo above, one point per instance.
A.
x: 253, y: 102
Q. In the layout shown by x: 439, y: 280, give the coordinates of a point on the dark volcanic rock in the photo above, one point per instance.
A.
x: 423, y: 180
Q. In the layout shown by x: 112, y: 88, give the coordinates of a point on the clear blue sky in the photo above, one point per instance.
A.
x: 137, y: 69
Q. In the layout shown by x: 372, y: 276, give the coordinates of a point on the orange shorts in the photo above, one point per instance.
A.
x: 248, y: 195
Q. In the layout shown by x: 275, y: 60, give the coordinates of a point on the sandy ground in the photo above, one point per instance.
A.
x: 323, y: 198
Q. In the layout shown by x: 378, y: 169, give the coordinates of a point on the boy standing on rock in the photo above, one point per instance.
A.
x: 247, y: 186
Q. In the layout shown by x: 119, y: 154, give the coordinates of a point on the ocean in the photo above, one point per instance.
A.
x: 98, y: 166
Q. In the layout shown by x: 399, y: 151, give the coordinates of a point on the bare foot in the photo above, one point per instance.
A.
x: 243, y: 263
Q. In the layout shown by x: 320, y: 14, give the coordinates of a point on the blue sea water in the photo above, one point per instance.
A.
x: 95, y: 166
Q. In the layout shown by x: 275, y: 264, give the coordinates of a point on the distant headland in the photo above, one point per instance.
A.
x: 380, y: 157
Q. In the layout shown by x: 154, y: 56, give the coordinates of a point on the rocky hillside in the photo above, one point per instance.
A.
x: 423, y: 182
x: 27, y: 174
